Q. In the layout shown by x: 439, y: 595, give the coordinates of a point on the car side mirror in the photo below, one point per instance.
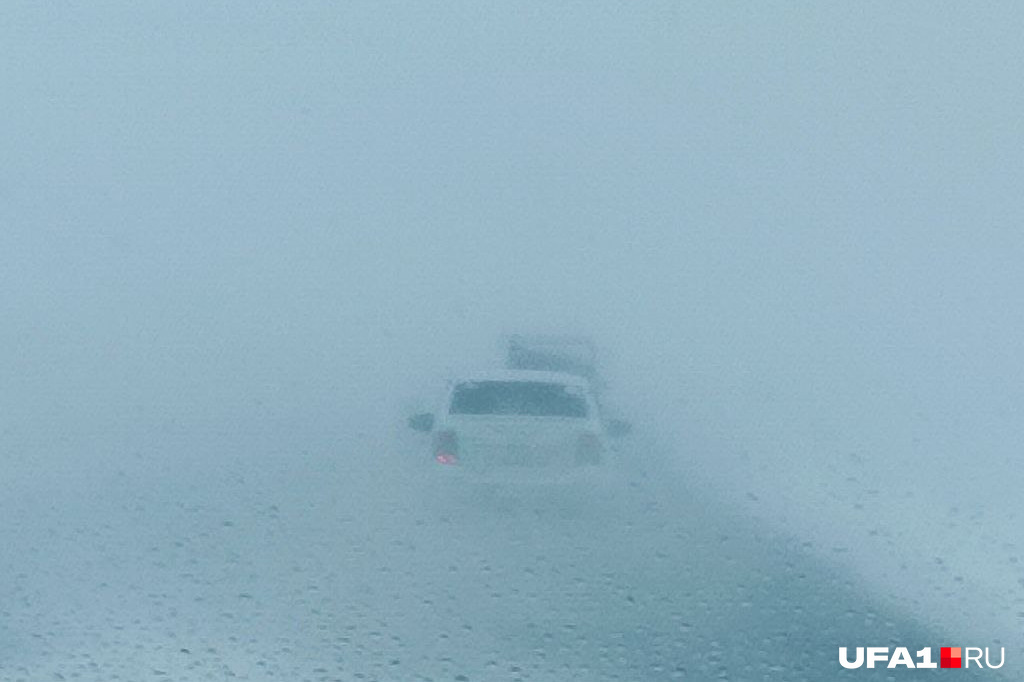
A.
x: 421, y: 422
x: 617, y: 428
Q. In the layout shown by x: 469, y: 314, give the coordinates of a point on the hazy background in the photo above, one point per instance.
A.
x: 795, y: 229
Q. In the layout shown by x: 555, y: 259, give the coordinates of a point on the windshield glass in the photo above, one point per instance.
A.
x: 738, y: 284
x: 533, y: 399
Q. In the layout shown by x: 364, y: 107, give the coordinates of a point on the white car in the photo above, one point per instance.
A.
x: 518, y: 423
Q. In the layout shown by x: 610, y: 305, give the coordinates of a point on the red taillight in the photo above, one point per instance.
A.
x: 446, y: 448
x: 589, y: 449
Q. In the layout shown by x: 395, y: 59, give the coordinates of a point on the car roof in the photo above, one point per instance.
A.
x: 524, y: 375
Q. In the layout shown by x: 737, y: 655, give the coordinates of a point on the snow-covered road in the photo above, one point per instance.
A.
x: 203, y: 559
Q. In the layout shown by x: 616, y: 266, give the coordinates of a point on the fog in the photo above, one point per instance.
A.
x: 231, y: 233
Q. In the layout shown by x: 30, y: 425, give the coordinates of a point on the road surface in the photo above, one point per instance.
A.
x: 204, y: 558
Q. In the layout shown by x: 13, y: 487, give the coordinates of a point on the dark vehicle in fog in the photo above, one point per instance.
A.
x: 569, y: 354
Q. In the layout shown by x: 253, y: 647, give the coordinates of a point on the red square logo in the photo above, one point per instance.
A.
x: 949, y: 657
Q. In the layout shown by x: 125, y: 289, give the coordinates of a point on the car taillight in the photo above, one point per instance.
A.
x: 589, y: 449
x: 446, y: 448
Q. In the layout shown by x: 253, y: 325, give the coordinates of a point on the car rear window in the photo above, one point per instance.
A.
x: 535, y: 399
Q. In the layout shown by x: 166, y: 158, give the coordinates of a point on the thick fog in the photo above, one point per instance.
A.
x: 234, y: 235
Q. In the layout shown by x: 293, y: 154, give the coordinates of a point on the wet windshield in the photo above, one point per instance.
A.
x: 247, y: 248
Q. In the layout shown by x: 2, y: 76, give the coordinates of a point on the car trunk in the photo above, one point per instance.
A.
x: 488, y: 442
